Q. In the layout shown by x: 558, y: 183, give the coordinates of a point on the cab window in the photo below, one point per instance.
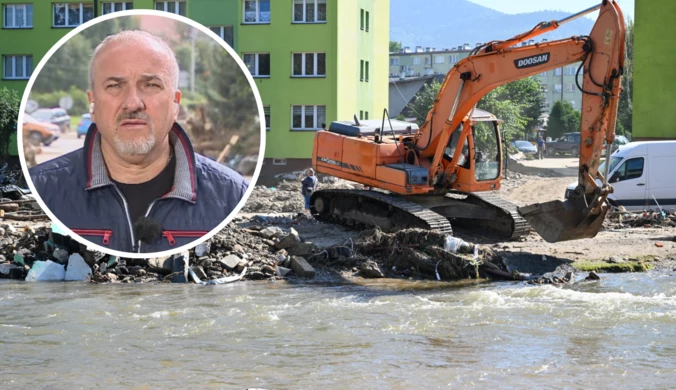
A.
x: 630, y: 169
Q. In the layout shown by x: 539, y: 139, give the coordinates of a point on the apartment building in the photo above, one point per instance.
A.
x: 313, y: 61
x: 557, y: 84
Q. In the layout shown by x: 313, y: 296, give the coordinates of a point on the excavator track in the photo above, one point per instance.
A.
x: 388, y: 212
x: 519, y: 225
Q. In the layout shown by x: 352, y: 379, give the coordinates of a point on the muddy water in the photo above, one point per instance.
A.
x: 617, y: 333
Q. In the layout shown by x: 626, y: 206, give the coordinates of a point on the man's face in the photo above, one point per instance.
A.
x: 135, y: 103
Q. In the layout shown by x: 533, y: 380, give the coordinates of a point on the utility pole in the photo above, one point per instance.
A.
x: 96, y: 8
x: 562, y: 84
x: 192, y: 59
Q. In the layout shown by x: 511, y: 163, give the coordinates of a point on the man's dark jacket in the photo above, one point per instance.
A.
x: 77, y: 189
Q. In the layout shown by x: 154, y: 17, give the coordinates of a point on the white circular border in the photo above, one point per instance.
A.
x: 208, y: 32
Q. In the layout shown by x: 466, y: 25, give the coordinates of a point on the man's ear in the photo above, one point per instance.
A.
x: 90, y: 97
x: 177, y: 101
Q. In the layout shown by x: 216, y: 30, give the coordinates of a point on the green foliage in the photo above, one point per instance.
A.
x: 51, y: 99
x: 625, y: 109
x: 9, y: 112
x: 423, y: 101
x: 395, y: 47
x: 563, y: 119
x: 498, y: 102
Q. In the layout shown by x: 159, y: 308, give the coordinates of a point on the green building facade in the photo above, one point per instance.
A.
x: 313, y: 61
x: 654, y: 96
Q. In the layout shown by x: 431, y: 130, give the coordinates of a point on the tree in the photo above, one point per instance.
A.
x: 9, y: 112
x: 526, y: 100
x: 625, y: 108
x: 510, y: 111
x: 563, y: 119
x: 395, y: 47
x: 424, y: 100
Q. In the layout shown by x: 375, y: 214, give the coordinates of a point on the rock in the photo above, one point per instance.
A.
x: 230, y: 262
x: 302, y: 249
x: 615, y: 260
x: 302, y: 268
x: 238, y: 248
x: 268, y: 242
x: 214, y: 274
x: 202, y: 249
x: 60, y: 255
x: 206, y: 263
x: 593, y: 276
x: 161, y: 265
x: 570, y: 277
x: 268, y: 269
x: 46, y: 270
x: 288, y: 241
x: 271, y: 232
x: 77, y: 268
x: 659, y: 244
x: 257, y: 275
x: 282, y: 271
x: 240, y: 266
x: 122, y: 270
x: 112, y: 277
x: 137, y: 271
x: 370, y: 269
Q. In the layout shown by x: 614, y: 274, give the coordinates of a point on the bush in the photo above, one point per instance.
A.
x: 51, y: 99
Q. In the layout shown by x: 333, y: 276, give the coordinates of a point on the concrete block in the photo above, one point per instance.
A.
x: 302, y: 268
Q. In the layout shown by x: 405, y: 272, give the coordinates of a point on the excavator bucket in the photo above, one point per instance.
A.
x: 562, y: 221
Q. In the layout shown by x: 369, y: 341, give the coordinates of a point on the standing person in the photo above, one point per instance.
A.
x: 309, y: 185
x: 541, y: 148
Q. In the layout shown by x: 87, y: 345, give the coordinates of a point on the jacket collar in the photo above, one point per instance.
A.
x: 185, y: 182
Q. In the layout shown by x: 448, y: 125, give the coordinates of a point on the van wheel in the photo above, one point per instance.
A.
x: 574, y: 152
x: 35, y: 138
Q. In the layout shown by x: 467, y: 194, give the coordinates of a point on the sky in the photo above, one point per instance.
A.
x: 572, y: 6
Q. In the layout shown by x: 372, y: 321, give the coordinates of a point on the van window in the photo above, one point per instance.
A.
x: 571, y: 138
x: 630, y: 169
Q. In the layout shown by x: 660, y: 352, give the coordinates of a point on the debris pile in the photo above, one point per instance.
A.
x: 620, y: 218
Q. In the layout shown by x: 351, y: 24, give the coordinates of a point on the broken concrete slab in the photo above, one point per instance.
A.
x: 230, y: 262
x: 161, y: 265
x: 271, y: 232
x: 282, y: 271
x: 77, y: 268
x: 290, y: 240
x: 304, y: 249
x: 202, y: 249
x: 302, y: 268
x: 46, y: 270
x: 198, y: 271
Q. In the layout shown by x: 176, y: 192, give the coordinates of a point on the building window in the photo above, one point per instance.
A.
x: 453, y: 58
x: 361, y: 115
x: 256, y: 11
x: 367, y: 20
x: 570, y: 87
x: 544, y: 74
x: 557, y: 88
x: 362, y: 20
x: 544, y: 88
x: 258, y: 64
x: 394, y: 61
x: 427, y: 60
x: 266, y: 112
x: 17, y: 67
x: 308, y: 117
x: 174, y: 7
x: 571, y: 70
x: 309, y: 64
x: 557, y: 72
x: 278, y: 161
x: 361, y: 70
x: 366, y: 115
x: 367, y: 70
x: 438, y: 59
x: 110, y: 7
x: 225, y: 32
x: 72, y: 14
x: 18, y: 15
x: 309, y: 11
x: 416, y: 61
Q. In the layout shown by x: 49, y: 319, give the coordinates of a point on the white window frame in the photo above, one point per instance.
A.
x: 316, y: 15
x: 571, y: 70
x: 258, y: 13
x: 221, y: 33
x: 177, y: 8
x: 439, y: 59
x: 569, y: 88
x: 558, y: 88
x: 113, y: 3
x: 557, y: 71
x: 68, y: 24
x: 13, y: 7
x: 416, y: 60
x: 394, y: 61
x: 256, y: 64
x: 266, y: 113
x: 316, y: 125
x: 316, y: 64
x: 544, y: 74
x: 452, y: 59
x: 26, y: 72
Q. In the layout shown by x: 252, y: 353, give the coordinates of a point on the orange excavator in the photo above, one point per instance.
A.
x: 450, y: 168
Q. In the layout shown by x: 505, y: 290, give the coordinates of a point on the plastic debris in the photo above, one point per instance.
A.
x: 227, y: 279
x: 455, y: 245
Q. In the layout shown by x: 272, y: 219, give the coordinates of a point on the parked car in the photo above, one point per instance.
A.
x: 640, y: 173
x: 37, y: 132
x: 620, y: 140
x: 83, y: 125
x: 567, y: 143
x: 57, y: 116
x: 525, y: 147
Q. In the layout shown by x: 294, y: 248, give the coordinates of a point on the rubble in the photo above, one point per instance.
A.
x: 620, y: 218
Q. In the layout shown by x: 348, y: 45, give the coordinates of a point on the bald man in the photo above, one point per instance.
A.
x: 137, y: 185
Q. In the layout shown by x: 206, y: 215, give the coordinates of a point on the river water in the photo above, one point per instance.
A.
x: 617, y: 333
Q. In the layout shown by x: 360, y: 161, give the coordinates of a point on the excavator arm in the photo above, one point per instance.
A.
x: 497, y: 63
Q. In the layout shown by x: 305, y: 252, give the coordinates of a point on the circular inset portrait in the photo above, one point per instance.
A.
x: 153, y: 133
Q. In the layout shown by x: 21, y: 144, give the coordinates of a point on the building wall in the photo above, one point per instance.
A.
x: 341, y: 38
x: 654, y: 70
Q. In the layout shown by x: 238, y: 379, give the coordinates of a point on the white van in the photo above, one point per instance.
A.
x: 640, y: 173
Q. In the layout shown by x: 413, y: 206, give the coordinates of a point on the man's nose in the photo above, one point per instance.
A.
x: 133, y: 101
